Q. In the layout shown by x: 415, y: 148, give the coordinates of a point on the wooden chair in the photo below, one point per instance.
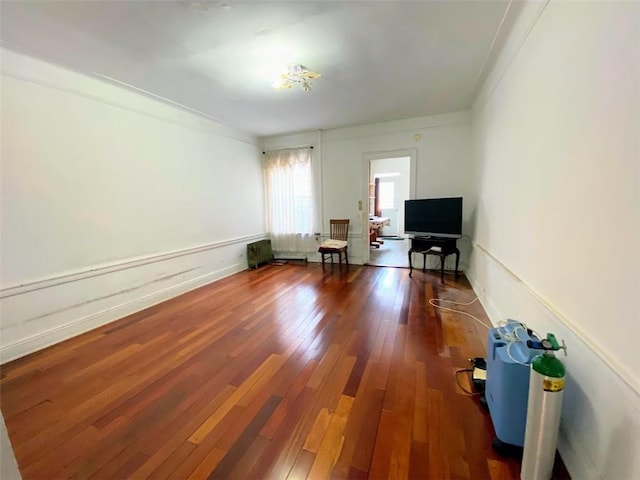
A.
x: 337, y: 242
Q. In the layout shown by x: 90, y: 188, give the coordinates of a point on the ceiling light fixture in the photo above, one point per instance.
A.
x: 296, y: 74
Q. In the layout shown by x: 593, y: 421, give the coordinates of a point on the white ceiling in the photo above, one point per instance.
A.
x: 379, y: 60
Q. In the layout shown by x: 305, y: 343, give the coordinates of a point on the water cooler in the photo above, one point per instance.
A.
x: 507, y: 385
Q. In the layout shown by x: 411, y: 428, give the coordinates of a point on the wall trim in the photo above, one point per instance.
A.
x: 266, y: 139
x: 436, y: 120
x: 393, y: 131
x: 104, y: 269
x: 230, y: 133
x: 527, y: 20
x: 71, y: 329
x: 616, y: 368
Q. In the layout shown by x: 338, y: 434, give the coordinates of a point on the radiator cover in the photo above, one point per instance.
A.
x: 259, y: 253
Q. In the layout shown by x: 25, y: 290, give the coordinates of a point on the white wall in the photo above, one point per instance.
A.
x: 443, y: 166
x: 557, y: 228
x: 111, y: 201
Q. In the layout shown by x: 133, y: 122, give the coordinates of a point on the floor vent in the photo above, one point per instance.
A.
x: 293, y: 259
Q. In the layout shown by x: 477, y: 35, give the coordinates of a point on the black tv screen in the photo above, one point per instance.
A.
x: 439, y: 217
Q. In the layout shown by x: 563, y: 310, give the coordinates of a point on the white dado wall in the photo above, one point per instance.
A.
x: 557, y: 228
x: 443, y: 167
x: 111, y: 201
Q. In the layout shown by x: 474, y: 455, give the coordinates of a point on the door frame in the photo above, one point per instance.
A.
x: 367, y: 157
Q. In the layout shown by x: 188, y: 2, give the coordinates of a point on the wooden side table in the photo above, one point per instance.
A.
x: 439, y: 246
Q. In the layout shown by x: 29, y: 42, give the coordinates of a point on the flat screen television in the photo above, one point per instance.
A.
x: 433, y: 217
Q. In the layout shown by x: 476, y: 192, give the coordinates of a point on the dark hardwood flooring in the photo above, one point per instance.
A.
x: 286, y: 372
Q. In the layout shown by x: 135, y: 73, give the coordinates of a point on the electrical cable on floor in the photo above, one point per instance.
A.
x: 458, y: 372
x: 432, y: 300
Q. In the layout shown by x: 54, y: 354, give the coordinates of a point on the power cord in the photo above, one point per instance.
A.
x: 478, y: 376
x: 447, y: 309
x: 510, y: 337
x: 432, y: 302
x: 469, y: 393
x: 477, y: 362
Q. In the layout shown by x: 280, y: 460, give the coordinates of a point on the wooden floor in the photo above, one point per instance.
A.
x: 283, y: 372
x: 392, y: 253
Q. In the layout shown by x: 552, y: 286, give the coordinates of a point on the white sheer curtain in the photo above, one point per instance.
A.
x: 288, y: 176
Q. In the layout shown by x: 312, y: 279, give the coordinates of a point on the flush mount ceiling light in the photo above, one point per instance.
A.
x: 296, y: 74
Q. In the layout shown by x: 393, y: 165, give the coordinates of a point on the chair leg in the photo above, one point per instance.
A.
x: 346, y: 257
x: 322, y: 255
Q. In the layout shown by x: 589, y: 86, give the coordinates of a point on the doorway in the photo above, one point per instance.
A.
x: 389, y: 178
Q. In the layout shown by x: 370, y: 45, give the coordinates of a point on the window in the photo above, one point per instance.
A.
x: 387, y: 194
x: 289, y: 199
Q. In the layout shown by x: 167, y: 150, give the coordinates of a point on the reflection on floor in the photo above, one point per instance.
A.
x: 392, y: 253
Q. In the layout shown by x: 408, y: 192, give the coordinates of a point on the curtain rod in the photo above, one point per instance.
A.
x: 289, y: 148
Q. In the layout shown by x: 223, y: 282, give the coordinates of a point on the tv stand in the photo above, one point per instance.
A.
x: 440, y: 246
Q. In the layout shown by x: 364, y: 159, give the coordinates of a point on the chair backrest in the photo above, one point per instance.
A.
x: 338, y: 229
